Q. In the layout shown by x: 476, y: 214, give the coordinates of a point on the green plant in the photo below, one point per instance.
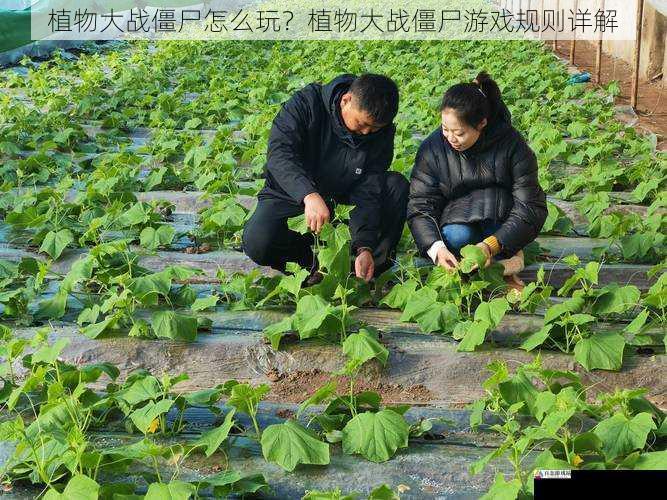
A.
x: 53, y: 413
x: 547, y: 422
x: 453, y: 301
x: 569, y: 325
x: 323, y: 310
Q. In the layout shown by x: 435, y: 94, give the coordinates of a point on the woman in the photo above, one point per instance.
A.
x: 475, y: 182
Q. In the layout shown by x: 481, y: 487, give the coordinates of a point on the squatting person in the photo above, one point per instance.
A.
x: 475, y: 182
x: 330, y: 144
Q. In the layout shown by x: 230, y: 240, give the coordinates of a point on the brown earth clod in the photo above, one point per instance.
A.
x: 297, y: 386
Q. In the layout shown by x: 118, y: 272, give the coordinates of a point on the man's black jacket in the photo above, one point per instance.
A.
x: 310, y: 150
x: 495, y: 179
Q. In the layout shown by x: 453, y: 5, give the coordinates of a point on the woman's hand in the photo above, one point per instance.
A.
x: 487, y: 253
x: 446, y: 259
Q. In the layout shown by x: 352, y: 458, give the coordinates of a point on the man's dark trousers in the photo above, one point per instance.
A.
x: 269, y: 242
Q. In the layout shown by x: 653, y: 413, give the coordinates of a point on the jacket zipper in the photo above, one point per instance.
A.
x: 437, y: 226
x: 497, y: 200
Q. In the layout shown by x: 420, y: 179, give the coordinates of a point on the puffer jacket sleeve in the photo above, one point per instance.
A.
x: 529, y: 211
x: 285, y: 155
x: 426, y: 201
x: 366, y: 195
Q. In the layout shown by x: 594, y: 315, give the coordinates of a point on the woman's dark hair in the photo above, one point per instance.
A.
x: 474, y: 101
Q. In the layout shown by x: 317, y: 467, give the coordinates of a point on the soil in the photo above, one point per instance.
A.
x: 285, y: 413
x: 203, y: 248
x: 651, y: 96
x: 297, y: 386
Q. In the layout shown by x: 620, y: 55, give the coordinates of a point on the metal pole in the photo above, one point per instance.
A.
x: 555, y: 42
x: 598, y: 54
x: 574, y: 36
x: 638, y: 46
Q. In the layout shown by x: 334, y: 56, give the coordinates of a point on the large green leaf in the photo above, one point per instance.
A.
x: 383, y: 492
x: 231, y: 216
x: 557, y: 221
x: 168, y: 324
x: 537, y: 338
x: 572, y: 305
x: 203, y: 303
x: 292, y: 282
x: 336, y: 260
x: 474, y: 334
x: 520, y: 389
x: 144, y: 416
x: 617, y: 299
x: 364, y: 346
x: 196, y: 155
x: 82, y: 269
x: 472, y: 258
x: 148, y: 288
x: 92, y: 372
x: 95, y: 330
x: 419, y: 302
x: 399, y: 294
x: 637, y: 324
x: 311, y: 313
x: 213, y: 438
x: 546, y: 460
x: 600, y: 351
x: 655, y: 460
x: 319, y: 396
x: 141, y: 390
x: 53, y: 308
x: 79, y: 487
x: 275, y: 332
x: 140, y: 450
x: 439, y: 317
x: 152, y: 238
x: 228, y: 482
x: 621, y: 436
x: 492, y: 312
x: 175, y: 490
x: 289, y: 444
x: 298, y: 224
x: 376, y: 436
x: 136, y: 214
x: 245, y: 398
x: 503, y: 490
x: 49, y: 353
x: 55, y: 242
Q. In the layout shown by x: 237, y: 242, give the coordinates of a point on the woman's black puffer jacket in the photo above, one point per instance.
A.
x: 495, y: 179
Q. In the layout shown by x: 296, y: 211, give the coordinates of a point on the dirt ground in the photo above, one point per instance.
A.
x: 296, y: 386
x: 651, y: 97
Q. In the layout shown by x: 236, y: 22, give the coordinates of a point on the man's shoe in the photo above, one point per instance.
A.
x: 315, y: 275
x: 313, y: 279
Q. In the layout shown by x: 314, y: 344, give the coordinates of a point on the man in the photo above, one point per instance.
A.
x: 332, y: 143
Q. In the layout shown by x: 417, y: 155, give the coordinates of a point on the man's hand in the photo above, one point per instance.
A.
x: 364, y: 266
x: 316, y: 212
x: 446, y: 259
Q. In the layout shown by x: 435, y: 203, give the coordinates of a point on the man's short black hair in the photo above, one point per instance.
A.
x: 377, y: 95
